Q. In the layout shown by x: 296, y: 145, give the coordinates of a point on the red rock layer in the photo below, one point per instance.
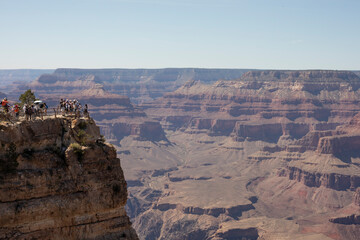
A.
x: 262, y: 104
x: 315, y: 179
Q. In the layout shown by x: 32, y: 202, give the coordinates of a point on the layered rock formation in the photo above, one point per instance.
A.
x: 269, y: 145
x: 138, y: 84
x: 60, y: 180
x: 327, y: 158
x: 263, y: 103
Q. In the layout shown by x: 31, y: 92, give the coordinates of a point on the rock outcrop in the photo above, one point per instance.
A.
x: 59, y: 178
x: 337, y: 181
x: 348, y: 220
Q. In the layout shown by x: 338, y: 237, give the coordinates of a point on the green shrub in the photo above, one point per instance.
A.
x: 82, y: 136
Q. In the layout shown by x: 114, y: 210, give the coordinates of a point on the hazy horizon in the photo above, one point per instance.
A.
x: 136, y: 68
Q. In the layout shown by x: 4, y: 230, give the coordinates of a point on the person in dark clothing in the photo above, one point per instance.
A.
x: 86, y: 111
x: 28, y: 112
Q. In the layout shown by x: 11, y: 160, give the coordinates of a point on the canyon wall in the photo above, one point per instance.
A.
x: 262, y: 104
x: 59, y: 178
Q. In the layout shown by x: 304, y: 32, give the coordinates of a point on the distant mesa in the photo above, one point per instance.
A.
x: 300, y: 75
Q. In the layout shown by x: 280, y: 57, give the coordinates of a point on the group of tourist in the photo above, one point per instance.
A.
x: 7, y: 108
x: 73, y: 107
x: 39, y: 109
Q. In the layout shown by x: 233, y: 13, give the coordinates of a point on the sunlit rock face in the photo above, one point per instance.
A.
x: 59, y: 179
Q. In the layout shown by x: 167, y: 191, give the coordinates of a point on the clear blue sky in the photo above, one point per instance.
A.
x: 276, y: 34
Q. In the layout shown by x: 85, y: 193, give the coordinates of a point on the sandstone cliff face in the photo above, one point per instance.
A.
x: 335, y: 181
x: 60, y: 180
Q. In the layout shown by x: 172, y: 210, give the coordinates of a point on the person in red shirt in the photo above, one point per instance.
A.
x: 5, y: 105
x: 16, y: 110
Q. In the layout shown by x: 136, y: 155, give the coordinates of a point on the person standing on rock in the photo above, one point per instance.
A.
x: 45, y: 109
x: 5, y: 105
x: 16, y: 110
x: 29, y: 112
x: 26, y: 109
x: 86, y: 111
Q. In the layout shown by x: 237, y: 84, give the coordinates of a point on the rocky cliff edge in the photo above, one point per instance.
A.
x: 59, y: 179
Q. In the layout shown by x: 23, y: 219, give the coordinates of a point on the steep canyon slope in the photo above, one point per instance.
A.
x: 60, y: 180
